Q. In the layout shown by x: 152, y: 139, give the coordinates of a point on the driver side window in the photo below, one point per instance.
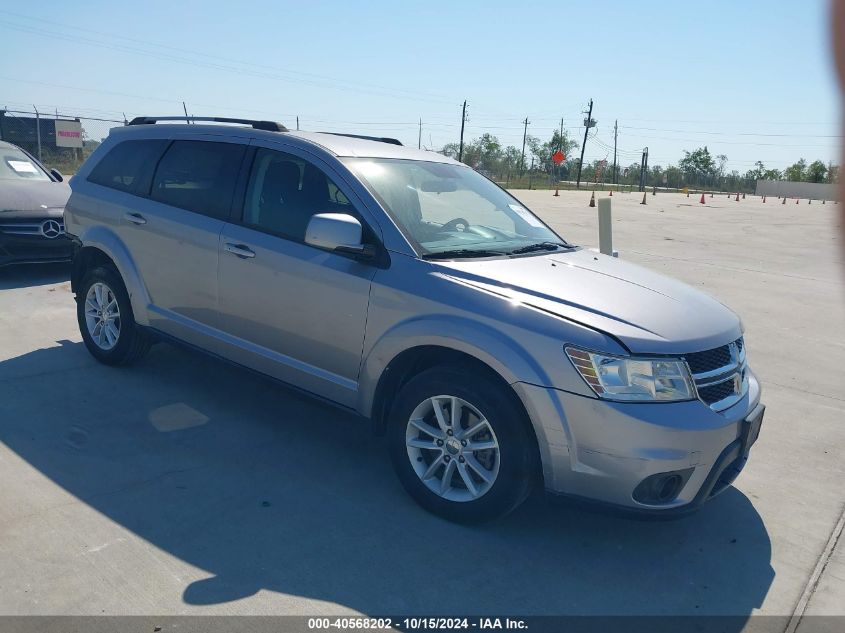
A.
x: 285, y: 192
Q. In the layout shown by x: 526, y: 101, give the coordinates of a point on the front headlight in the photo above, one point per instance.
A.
x: 633, y: 379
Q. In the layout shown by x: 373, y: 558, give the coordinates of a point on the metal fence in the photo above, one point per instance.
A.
x: 58, y: 140
x: 40, y: 134
x: 626, y: 179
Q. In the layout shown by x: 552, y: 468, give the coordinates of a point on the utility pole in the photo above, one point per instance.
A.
x: 524, y: 138
x: 588, y: 123
x: 643, y: 168
x: 297, y: 123
x: 615, y: 130
x: 560, y: 147
x: 419, y: 140
x: 463, y: 121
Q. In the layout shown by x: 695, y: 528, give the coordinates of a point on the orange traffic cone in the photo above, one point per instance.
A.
x: 593, y: 199
x: 702, y: 199
x: 644, y: 196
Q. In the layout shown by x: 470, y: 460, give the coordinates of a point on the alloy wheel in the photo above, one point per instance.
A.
x: 452, y: 448
x: 102, y: 316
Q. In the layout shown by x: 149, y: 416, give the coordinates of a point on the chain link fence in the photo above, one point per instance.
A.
x: 58, y: 140
x: 597, y: 177
x: 40, y: 134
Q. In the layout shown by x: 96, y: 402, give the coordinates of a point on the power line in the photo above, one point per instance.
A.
x: 653, y: 129
x: 282, y: 75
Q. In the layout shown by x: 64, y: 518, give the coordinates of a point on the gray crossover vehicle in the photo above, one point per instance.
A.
x: 404, y: 286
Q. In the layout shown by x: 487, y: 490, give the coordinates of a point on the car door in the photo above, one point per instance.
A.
x: 173, y: 233
x: 298, y: 312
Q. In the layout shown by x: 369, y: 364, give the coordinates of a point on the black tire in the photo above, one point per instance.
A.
x: 132, y: 342
x: 517, y: 468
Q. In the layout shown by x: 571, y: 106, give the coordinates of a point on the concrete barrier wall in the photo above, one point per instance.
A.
x: 814, y: 190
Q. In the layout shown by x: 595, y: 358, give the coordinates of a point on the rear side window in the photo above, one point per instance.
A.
x: 199, y: 176
x: 129, y: 166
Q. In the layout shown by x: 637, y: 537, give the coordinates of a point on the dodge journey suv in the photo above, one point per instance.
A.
x: 406, y: 287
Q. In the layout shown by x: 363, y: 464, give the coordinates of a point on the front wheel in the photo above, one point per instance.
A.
x: 460, y: 446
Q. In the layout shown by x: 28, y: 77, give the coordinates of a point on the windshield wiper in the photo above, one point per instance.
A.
x: 463, y: 253
x: 540, y: 246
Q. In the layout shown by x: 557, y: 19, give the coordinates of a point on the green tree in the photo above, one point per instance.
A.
x: 543, y: 152
x: 674, y: 176
x: 698, y: 163
x: 796, y: 172
x: 817, y: 171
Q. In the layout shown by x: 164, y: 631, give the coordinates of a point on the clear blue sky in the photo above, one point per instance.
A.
x: 734, y: 75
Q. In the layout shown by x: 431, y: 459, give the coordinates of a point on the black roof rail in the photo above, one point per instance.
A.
x: 271, y: 126
x: 380, y: 139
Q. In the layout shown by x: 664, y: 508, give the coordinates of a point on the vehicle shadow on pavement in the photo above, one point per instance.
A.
x: 24, y: 275
x: 266, y: 489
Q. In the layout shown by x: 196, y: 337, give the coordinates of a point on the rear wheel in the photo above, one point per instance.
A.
x: 460, y: 446
x: 106, y: 321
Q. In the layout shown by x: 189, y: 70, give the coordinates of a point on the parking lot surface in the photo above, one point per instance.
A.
x: 182, y: 485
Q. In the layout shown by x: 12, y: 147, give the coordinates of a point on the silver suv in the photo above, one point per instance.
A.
x: 404, y: 286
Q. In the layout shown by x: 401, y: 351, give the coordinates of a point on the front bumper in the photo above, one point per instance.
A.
x: 31, y: 249
x: 601, y: 451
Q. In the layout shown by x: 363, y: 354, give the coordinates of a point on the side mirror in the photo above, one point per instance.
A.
x: 55, y: 173
x: 338, y: 232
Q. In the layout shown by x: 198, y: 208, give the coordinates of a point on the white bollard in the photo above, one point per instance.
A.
x: 605, y: 228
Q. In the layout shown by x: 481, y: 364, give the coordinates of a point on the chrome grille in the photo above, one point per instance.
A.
x: 33, y: 227
x: 720, y: 374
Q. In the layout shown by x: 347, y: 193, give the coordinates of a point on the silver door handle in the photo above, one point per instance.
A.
x: 240, y: 250
x: 135, y: 218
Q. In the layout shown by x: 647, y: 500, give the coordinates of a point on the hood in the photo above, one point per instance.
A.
x: 647, y: 312
x: 31, y: 197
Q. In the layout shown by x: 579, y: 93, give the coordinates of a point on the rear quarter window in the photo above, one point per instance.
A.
x: 129, y: 166
x: 199, y: 176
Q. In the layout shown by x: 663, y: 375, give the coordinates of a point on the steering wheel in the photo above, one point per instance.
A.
x: 452, y: 225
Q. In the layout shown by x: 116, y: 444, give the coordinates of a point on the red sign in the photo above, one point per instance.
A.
x: 558, y: 157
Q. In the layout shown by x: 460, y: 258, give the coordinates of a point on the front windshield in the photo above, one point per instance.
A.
x: 16, y: 165
x: 450, y: 209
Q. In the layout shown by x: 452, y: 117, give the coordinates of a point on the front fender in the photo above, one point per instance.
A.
x: 104, y: 239
x: 497, y: 350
